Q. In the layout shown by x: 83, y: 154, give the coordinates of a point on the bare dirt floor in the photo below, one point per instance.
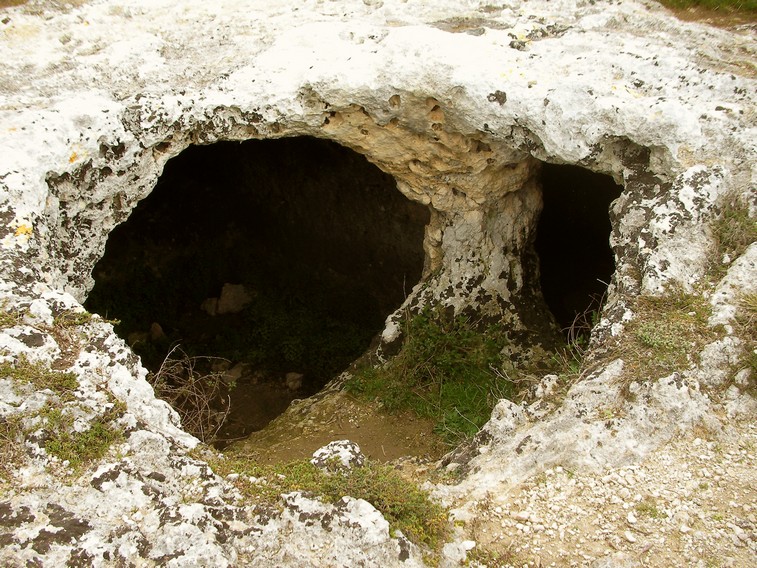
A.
x: 335, y: 415
x: 719, y: 18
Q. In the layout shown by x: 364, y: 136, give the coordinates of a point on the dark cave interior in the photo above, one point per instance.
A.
x: 576, y: 262
x: 323, y: 242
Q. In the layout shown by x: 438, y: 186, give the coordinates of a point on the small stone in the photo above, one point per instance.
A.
x: 233, y: 299
x: 210, y: 306
x: 294, y: 381
x: 685, y: 529
x: 156, y: 332
x: 631, y: 518
x: 629, y: 537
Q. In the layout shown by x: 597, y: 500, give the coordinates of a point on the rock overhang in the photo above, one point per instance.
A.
x: 460, y: 110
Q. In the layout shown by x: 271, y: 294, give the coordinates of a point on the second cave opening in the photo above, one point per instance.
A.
x: 573, y: 233
x: 270, y: 264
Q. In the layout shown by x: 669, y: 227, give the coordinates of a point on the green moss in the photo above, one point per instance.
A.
x: 443, y: 371
x: 407, y: 507
x: 666, y: 332
x: 80, y: 448
x: 41, y: 376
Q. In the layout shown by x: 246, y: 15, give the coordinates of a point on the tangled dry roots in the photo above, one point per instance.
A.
x: 201, y: 398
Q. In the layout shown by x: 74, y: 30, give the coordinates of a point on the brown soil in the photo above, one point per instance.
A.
x: 717, y: 18
x: 335, y: 415
x: 253, y: 406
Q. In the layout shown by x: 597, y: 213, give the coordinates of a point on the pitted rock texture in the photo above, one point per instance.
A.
x: 342, y: 454
x: 459, y: 104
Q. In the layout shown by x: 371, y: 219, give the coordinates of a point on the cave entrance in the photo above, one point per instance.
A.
x: 267, y: 266
x: 573, y: 244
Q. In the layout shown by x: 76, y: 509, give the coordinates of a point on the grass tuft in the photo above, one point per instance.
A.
x: 648, y: 508
x: 10, y: 317
x: 734, y: 230
x: 11, y: 444
x: 746, y: 328
x: 72, y: 318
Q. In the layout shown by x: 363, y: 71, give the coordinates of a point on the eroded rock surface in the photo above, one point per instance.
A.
x: 459, y: 105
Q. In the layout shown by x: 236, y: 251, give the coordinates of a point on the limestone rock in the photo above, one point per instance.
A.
x: 461, y: 104
x: 340, y: 453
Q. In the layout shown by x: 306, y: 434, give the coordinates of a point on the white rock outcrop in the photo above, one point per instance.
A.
x: 460, y: 102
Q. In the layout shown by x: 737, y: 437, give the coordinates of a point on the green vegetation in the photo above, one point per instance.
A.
x: 61, y: 440
x: 491, y: 557
x: 666, y: 330
x: 746, y: 328
x: 734, y: 231
x: 728, y: 6
x: 79, y: 448
x: 71, y: 318
x: 407, y: 507
x: 648, y: 508
x: 41, y: 376
x: 11, y: 444
x: 444, y: 371
x: 8, y: 316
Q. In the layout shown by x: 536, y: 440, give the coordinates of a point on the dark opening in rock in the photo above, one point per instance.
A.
x: 282, y: 257
x: 573, y: 243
